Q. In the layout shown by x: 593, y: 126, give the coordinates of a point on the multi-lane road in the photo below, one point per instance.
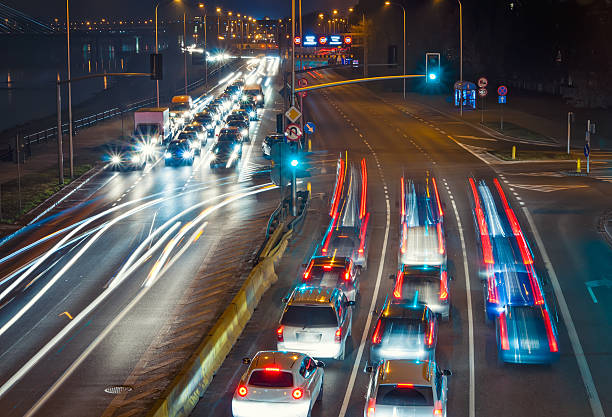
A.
x: 558, y: 214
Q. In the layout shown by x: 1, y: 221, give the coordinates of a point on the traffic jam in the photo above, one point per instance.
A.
x: 181, y: 132
x: 405, y: 379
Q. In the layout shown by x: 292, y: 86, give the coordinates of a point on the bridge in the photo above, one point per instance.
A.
x: 13, y: 21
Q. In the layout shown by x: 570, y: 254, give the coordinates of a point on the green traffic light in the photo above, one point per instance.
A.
x: 294, y: 162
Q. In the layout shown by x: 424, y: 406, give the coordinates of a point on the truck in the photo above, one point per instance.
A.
x: 152, y: 126
x: 181, y: 107
x: 255, y: 91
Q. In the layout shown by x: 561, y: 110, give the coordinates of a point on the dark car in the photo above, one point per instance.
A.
x: 242, y: 126
x: 199, y: 129
x: 250, y: 109
x: 269, y: 141
x: 126, y: 157
x: 226, y: 153
x: 179, y: 152
x: 230, y: 132
x: 332, y: 272
x: 208, y: 121
x: 193, y: 139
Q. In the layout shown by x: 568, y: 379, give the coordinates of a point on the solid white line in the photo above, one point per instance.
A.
x: 583, y: 366
x: 468, y: 291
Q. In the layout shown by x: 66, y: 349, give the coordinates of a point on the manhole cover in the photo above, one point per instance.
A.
x: 117, y: 389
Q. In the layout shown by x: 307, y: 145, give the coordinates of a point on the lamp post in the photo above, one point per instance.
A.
x: 218, y: 22
x: 185, y: 47
x: 387, y: 3
x: 70, y: 148
x: 461, y: 51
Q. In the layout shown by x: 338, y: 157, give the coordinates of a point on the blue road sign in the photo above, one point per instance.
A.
x: 309, y: 128
x: 587, y: 150
x: 501, y: 99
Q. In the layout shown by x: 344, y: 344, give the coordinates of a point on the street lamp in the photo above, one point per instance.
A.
x: 218, y: 23
x: 388, y: 3
x: 70, y: 148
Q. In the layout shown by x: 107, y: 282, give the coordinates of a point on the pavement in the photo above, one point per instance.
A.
x: 106, y: 295
x: 560, y: 215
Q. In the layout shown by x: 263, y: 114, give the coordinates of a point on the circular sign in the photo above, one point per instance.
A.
x: 502, y: 90
x: 322, y: 40
x: 482, y: 82
x: 302, y: 94
x: 293, y: 132
x: 297, y: 40
x: 348, y: 40
x: 302, y: 82
x: 482, y: 92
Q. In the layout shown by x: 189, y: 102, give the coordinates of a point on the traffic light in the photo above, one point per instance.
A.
x: 157, y: 67
x: 432, y: 67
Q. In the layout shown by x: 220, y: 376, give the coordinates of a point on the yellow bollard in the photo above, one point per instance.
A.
x: 513, y: 153
x: 309, y: 188
x: 578, y: 165
x: 309, y: 145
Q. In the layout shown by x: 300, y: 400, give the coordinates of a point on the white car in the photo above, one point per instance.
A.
x: 406, y: 388
x: 276, y: 383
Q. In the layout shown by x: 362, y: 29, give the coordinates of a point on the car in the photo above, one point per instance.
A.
x: 255, y: 91
x: 424, y: 284
x: 348, y: 241
x: 333, y: 272
x: 269, y: 141
x: 126, y: 157
x: 242, y: 127
x: 194, y: 140
x: 527, y: 335
x: 179, y: 152
x: 510, y: 285
x: 218, y: 108
x: 315, y: 321
x: 225, y: 154
x: 200, y: 129
x: 239, y: 112
x: 277, y: 383
x: 208, y: 121
x: 407, y: 388
x: 230, y: 133
x: 404, y: 331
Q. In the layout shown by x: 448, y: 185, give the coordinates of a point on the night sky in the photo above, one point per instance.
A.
x: 45, y: 9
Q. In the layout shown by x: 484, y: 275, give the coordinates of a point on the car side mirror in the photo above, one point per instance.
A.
x: 320, y: 364
x: 369, y: 369
x: 285, y: 299
x: 391, y: 276
x: 446, y: 372
x: 246, y: 361
x: 350, y: 303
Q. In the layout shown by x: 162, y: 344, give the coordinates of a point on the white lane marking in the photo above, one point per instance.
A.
x: 583, y: 366
x: 468, y: 291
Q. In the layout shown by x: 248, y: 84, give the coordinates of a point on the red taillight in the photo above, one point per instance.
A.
x: 347, y: 275
x: 297, y: 393
x: 306, y: 274
x: 338, y: 190
x: 438, y: 408
x: 279, y: 333
x: 405, y: 385
x: 271, y: 369
x: 429, y: 337
x: 338, y: 336
x: 399, y: 282
x: 242, y: 390
x: 377, y: 336
x: 492, y: 290
x: 329, y: 233
x: 514, y: 224
x: 552, y: 340
x: 440, y: 239
x: 503, y: 332
x: 440, y: 212
x: 444, y: 286
x: 404, y: 237
x: 327, y: 267
x: 403, y: 203
x: 535, y: 287
x: 487, y: 249
x: 362, y: 233
x: 364, y: 189
x: 371, y: 407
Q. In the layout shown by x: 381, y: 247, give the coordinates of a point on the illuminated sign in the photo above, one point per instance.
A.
x: 322, y: 40
x: 310, y: 40
x: 335, y: 40
x: 348, y: 40
x: 297, y: 40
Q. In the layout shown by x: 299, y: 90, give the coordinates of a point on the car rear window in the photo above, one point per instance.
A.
x: 271, y: 379
x: 404, y: 396
x: 309, y: 316
x: 400, y: 327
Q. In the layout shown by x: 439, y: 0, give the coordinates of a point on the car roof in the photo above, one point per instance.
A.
x: 398, y: 371
x: 282, y: 360
x: 313, y: 296
x: 178, y: 142
x: 404, y: 310
x: 329, y: 260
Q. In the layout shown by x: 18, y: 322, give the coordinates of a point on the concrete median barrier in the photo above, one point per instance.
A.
x: 182, y: 395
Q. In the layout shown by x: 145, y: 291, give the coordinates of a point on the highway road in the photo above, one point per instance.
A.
x: 98, y: 288
x: 570, y: 254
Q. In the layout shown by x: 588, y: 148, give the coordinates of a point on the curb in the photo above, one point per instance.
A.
x: 181, y: 397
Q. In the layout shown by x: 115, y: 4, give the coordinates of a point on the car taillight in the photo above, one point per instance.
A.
x: 306, y: 274
x: 440, y: 239
x: 297, y: 393
x: 438, y: 409
x: 429, y: 337
x: 444, y: 286
x: 242, y: 390
x: 338, y: 336
x: 492, y: 290
x: 377, y: 336
x: 279, y: 333
x: 371, y: 407
x: 399, y: 282
x: 347, y: 275
x: 503, y: 332
x: 552, y: 340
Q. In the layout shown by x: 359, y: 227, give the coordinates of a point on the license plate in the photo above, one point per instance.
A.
x: 309, y: 337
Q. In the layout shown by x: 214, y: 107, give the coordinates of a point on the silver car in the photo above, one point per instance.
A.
x: 424, y: 284
x: 316, y: 321
x: 278, y: 384
x: 401, y: 388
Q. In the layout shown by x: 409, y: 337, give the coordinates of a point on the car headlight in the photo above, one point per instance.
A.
x: 187, y: 154
x: 115, y: 159
x: 167, y: 155
x: 244, y: 132
x: 259, y: 96
x: 252, y: 114
x: 135, y: 159
x: 148, y: 149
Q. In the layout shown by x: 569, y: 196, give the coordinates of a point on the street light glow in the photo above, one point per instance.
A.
x: 294, y: 162
x: 432, y: 76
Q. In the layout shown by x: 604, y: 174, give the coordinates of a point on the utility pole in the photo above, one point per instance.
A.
x: 17, y: 144
x: 205, y: 50
x: 365, y: 47
x: 185, y: 48
x: 60, y: 154
x: 569, y: 130
x: 292, y: 52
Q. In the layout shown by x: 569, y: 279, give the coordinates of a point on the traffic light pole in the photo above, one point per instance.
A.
x: 293, y: 193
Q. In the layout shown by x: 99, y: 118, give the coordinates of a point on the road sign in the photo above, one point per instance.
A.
x: 293, y: 114
x: 297, y: 40
x: 293, y: 132
x: 587, y: 150
x: 483, y: 82
x: 302, y: 82
x: 309, y: 128
x: 502, y: 90
x: 501, y: 99
x: 482, y: 92
x: 302, y: 94
x: 348, y: 40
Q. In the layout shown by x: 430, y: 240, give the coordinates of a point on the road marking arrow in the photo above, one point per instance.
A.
x: 597, y: 283
x: 70, y: 317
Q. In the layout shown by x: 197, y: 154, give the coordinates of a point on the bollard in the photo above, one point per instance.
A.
x: 513, y: 153
x: 309, y: 188
x: 578, y: 165
x: 309, y: 145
